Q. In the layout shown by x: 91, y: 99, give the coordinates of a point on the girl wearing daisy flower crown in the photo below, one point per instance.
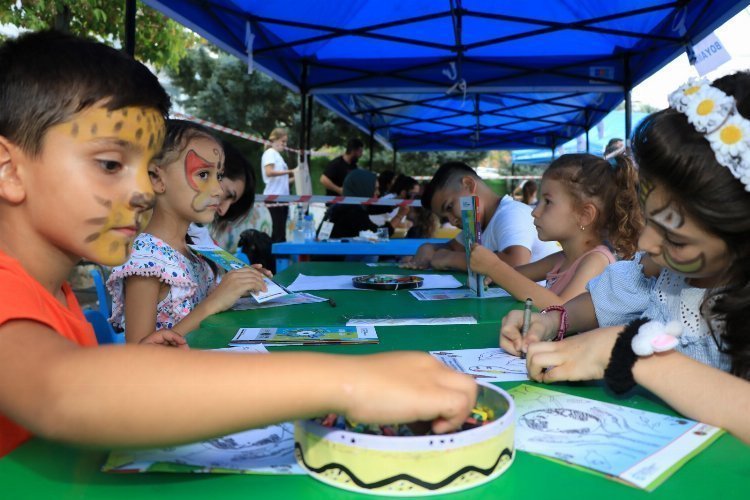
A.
x: 694, y: 160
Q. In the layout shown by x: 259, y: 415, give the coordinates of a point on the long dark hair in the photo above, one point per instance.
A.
x: 673, y: 154
x: 237, y: 167
x: 610, y: 185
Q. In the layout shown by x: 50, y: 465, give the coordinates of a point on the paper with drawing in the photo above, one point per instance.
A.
x: 638, y: 447
x: 460, y: 293
x: 344, y: 282
x: 269, y: 450
x: 489, y: 365
x: 308, y: 335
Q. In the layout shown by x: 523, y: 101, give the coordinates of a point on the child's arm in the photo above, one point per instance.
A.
x: 233, y: 285
x: 131, y: 396
x: 581, y: 318
x: 521, y: 282
x: 142, y: 295
x: 426, y: 253
x: 695, y: 390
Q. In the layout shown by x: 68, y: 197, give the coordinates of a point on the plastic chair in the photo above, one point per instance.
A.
x: 105, y: 334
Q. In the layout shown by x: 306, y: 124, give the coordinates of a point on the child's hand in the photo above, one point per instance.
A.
x: 542, y: 327
x: 235, y: 284
x: 166, y: 338
x: 582, y: 357
x: 401, y: 387
x: 421, y: 260
x: 482, y: 259
x: 263, y: 270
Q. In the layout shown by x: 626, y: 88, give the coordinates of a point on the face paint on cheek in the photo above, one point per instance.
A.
x: 691, y: 266
x: 113, y: 234
x: 193, y: 163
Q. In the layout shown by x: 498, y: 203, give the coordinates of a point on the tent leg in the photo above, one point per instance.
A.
x: 130, y: 27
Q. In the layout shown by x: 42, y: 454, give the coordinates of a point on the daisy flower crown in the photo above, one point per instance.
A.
x: 714, y: 114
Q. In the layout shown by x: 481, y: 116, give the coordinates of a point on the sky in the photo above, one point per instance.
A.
x: 734, y: 37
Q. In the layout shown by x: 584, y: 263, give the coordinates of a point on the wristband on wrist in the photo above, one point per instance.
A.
x: 619, y: 372
x: 563, y: 320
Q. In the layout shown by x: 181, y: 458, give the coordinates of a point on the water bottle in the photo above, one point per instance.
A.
x: 298, y: 235
x: 309, y: 228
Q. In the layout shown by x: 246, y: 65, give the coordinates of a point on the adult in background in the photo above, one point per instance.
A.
x: 337, y: 170
x: 277, y: 177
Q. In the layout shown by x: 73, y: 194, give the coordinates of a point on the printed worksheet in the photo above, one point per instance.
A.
x: 489, y: 365
x: 638, y: 447
x: 460, y: 293
x: 453, y: 320
x: 291, y: 299
x: 229, y: 262
x: 307, y: 335
x: 249, y: 348
x: 269, y: 450
x: 344, y: 282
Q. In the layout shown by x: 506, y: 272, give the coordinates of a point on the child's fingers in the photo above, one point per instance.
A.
x: 452, y: 408
x: 540, y: 358
x: 535, y: 334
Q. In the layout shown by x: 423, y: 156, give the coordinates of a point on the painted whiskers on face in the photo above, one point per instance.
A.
x: 123, y: 142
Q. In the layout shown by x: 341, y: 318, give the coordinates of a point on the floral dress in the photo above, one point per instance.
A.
x: 190, y: 279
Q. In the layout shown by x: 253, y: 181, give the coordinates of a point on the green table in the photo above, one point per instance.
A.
x: 40, y: 469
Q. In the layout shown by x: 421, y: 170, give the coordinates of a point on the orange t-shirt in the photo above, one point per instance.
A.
x: 23, y: 298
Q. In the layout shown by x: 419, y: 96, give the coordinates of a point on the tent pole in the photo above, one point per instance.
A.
x: 308, y: 126
x: 130, y: 27
x: 588, y: 145
x: 628, y: 100
x: 372, y: 144
x: 303, y: 113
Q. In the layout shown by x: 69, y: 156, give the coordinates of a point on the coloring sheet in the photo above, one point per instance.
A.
x: 249, y: 348
x: 461, y: 293
x: 306, y: 335
x: 641, y: 448
x: 229, y: 262
x: 455, y: 320
x: 489, y: 365
x: 344, y: 282
x: 269, y: 450
x: 292, y: 299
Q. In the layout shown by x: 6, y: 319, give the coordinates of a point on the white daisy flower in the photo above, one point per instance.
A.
x: 678, y: 99
x: 731, y: 144
x: 708, y: 108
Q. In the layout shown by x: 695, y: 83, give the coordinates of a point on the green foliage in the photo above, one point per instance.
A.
x: 159, y: 40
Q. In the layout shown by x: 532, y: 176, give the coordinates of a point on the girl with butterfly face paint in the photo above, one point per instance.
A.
x: 163, y: 275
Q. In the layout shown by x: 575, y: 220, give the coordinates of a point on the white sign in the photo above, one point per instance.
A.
x: 710, y: 54
x: 325, y: 230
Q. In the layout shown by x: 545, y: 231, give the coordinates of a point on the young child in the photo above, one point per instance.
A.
x: 694, y: 160
x: 79, y: 124
x: 585, y: 201
x: 507, y: 225
x: 163, y: 275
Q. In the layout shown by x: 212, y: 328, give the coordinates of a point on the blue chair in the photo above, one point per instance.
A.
x: 242, y: 256
x: 105, y: 334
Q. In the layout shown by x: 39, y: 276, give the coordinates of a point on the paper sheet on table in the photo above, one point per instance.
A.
x: 638, y: 447
x: 489, y: 365
x: 251, y: 348
x: 454, y: 294
x: 307, y: 335
x: 457, y: 320
x: 344, y: 282
x: 292, y: 299
x: 269, y: 450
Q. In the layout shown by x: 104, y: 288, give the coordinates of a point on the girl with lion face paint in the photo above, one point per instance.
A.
x: 163, y: 275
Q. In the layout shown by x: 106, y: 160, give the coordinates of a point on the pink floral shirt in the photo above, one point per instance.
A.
x: 191, y: 279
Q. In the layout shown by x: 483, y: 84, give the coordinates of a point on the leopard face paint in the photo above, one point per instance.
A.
x: 120, y: 143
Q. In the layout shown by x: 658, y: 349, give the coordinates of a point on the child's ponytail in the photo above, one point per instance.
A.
x: 624, y: 220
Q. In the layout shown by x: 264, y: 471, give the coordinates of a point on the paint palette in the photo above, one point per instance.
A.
x: 387, y: 282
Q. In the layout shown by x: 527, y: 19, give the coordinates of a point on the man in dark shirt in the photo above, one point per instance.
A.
x: 336, y: 171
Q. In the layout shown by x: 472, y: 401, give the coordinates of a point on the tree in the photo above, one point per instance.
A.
x: 159, y: 40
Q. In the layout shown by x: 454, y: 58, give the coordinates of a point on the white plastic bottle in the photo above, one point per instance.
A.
x: 298, y: 235
x: 309, y: 228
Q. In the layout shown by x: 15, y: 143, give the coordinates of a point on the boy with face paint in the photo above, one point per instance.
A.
x: 79, y: 124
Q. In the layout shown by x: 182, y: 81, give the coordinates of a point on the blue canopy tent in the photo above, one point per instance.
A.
x: 612, y: 126
x: 457, y: 74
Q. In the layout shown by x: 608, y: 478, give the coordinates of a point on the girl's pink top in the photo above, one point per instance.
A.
x: 557, y: 280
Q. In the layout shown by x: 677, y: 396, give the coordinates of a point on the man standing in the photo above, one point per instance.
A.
x: 336, y: 171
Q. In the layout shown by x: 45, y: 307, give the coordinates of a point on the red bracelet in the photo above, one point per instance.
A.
x: 563, y: 328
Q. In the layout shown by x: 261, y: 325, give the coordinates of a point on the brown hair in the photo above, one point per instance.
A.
x: 612, y: 186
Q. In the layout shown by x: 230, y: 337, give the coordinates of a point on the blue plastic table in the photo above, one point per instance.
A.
x: 286, y: 251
